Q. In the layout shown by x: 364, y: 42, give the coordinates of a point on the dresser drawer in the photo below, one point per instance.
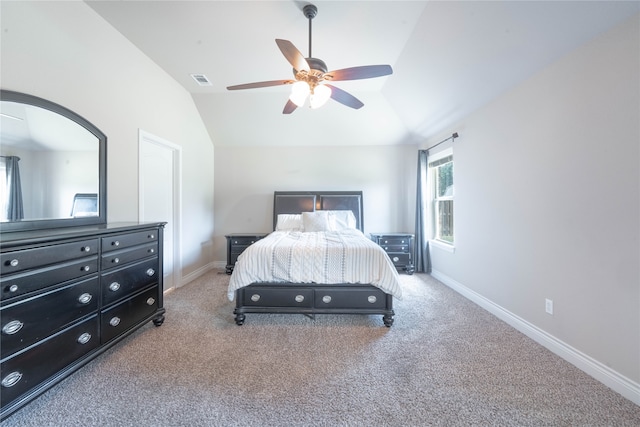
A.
x: 32, y: 319
x: 350, y: 298
x: 28, y: 369
x: 121, y: 283
x: 118, y: 258
x: 244, y: 241
x: 120, y: 241
x: 46, y: 255
x: 393, y: 240
x: 128, y: 313
x: 285, y: 297
x: 395, y: 248
x: 399, y: 259
x: 22, y: 283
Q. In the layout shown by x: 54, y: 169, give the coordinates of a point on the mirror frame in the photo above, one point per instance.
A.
x: 42, y: 224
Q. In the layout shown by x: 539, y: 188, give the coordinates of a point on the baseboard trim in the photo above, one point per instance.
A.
x: 612, y: 379
x: 197, y: 273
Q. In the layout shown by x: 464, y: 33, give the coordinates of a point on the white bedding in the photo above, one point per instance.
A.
x: 326, y: 257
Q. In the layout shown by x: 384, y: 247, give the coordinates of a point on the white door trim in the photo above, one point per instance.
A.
x: 146, y: 137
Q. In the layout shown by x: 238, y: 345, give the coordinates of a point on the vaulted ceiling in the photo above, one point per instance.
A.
x: 449, y: 58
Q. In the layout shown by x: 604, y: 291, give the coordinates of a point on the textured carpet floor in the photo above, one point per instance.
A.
x: 445, y: 361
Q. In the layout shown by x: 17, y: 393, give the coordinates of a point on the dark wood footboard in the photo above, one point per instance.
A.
x: 298, y: 298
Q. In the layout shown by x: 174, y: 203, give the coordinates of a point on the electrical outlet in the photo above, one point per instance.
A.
x: 548, y: 306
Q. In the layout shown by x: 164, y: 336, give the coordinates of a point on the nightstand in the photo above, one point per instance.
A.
x: 399, y: 247
x: 236, y: 244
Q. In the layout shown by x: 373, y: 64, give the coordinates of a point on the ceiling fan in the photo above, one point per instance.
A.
x: 311, y: 76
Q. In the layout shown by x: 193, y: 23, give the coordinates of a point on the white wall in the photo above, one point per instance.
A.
x: 246, y: 178
x: 548, y: 201
x: 66, y: 53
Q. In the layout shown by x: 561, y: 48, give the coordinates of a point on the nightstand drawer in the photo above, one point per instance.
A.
x: 399, y: 247
x: 395, y: 248
x: 400, y: 260
x: 395, y: 241
x: 236, y: 244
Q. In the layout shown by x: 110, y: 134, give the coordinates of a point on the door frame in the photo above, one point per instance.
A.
x: 145, y: 137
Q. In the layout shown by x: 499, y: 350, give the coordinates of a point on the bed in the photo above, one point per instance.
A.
x: 322, y: 265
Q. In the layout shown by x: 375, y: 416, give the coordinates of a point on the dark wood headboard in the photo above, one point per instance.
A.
x: 296, y: 202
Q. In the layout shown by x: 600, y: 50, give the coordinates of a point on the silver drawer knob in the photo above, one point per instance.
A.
x: 84, y: 298
x: 86, y: 268
x: 14, y: 263
x: 11, y: 379
x: 372, y: 299
x: 326, y: 299
x: 86, y: 249
x: 12, y: 327
x: 152, y: 251
x: 396, y: 259
x: 114, y: 286
x: 115, y: 243
x: 152, y: 236
x: 299, y: 298
x: 255, y: 297
x: 115, y: 321
x: 115, y: 260
x: 150, y: 272
x: 13, y: 288
x: 150, y: 301
x: 84, y: 338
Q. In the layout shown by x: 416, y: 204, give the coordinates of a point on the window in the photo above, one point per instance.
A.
x: 441, y: 169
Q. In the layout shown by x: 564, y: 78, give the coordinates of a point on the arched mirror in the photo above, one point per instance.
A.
x: 52, y: 166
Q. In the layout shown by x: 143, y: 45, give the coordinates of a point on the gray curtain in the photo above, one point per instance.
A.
x: 422, y: 261
x: 15, y: 211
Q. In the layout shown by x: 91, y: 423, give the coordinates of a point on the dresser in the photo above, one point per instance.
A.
x: 67, y: 295
x: 399, y: 247
x: 236, y: 244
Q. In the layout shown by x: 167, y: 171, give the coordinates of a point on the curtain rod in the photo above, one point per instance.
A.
x: 452, y: 137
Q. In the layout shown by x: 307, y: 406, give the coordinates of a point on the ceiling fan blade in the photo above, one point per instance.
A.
x: 261, y: 84
x: 289, y: 107
x: 357, y: 73
x: 344, y: 98
x: 293, y: 55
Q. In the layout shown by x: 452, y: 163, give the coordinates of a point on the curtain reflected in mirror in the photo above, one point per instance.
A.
x: 10, y: 189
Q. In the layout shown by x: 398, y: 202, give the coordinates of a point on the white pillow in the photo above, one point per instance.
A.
x: 341, y: 220
x: 289, y: 222
x: 316, y: 221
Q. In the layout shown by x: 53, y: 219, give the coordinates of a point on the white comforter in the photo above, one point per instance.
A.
x: 327, y: 257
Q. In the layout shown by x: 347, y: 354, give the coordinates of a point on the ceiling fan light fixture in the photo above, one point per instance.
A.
x: 299, y: 92
x: 319, y: 96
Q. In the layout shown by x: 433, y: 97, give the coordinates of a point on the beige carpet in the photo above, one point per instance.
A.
x: 445, y: 361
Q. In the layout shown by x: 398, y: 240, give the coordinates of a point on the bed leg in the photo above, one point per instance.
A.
x: 388, y: 320
x: 240, y: 319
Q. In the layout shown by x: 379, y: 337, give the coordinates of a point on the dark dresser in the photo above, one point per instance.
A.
x: 236, y: 244
x: 68, y: 295
x: 399, y: 247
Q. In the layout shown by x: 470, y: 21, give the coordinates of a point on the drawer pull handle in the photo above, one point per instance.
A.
x: 115, y: 321
x: 85, y: 298
x: 396, y: 259
x: 152, y: 236
x: 372, y: 299
x: 114, y: 286
x: 115, y: 260
x: 115, y: 243
x: 86, y: 249
x: 299, y: 298
x: 13, y: 288
x: 151, y: 251
x: 11, y: 379
x: 86, y: 268
x: 84, y: 338
x: 12, y: 327
x: 150, y: 272
x: 255, y: 297
x: 150, y: 301
x: 14, y: 263
x: 326, y: 299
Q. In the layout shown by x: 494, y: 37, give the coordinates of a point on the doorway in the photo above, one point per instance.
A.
x: 159, y: 180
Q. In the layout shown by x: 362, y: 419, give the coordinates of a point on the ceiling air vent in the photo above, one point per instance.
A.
x: 201, y: 79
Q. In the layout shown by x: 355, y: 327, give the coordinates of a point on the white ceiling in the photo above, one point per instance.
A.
x: 449, y: 58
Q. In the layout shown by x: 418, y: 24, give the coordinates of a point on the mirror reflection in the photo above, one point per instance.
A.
x: 48, y: 165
